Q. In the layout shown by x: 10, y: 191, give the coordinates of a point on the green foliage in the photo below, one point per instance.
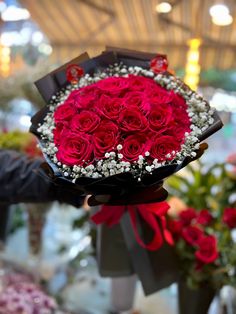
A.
x: 15, y: 140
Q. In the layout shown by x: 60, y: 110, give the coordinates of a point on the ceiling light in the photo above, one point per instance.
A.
x: 223, y: 20
x: 219, y: 10
x: 163, y: 7
x: 13, y: 13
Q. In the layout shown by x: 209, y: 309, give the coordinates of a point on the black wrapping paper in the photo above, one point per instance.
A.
x: 119, y: 253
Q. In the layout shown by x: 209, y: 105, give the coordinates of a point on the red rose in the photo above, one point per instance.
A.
x: 229, y: 217
x: 163, y: 145
x: 180, y: 110
x: 105, y: 138
x: 192, y: 235
x: 204, y: 217
x: 60, y: 126
x: 110, y: 107
x: 137, y: 99
x: 159, y: 96
x: 64, y: 112
x: 113, y: 85
x: 75, y: 149
x: 84, y: 98
x: 178, y: 131
x: 85, y: 121
x: 132, y: 119
x: 175, y: 227
x: 138, y: 83
x: 133, y: 146
x: 186, y: 216
x: 207, y: 251
x: 159, y: 118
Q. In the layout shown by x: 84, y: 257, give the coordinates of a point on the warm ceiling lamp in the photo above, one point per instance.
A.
x: 220, y: 15
x: 223, y: 20
x: 193, y: 69
x: 163, y: 7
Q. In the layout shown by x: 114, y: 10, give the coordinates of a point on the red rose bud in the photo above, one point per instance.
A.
x: 73, y: 72
x: 204, y: 217
x: 192, y: 235
x: 207, y: 251
x: 229, y: 217
x: 186, y: 216
x: 159, y: 64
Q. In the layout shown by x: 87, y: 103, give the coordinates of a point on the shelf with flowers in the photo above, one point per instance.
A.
x: 202, y: 224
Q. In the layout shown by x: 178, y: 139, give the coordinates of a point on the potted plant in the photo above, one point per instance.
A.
x: 202, y: 230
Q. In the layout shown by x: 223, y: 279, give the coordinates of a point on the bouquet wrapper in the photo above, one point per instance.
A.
x: 119, y: 253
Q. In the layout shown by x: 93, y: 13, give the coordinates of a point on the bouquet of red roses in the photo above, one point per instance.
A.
x: 120, y: 118
x: 115, y: 126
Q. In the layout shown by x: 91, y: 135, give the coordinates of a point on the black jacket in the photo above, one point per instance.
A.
x: 22, y: 180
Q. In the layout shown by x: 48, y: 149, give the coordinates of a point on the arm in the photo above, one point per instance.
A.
x: 22, y: 180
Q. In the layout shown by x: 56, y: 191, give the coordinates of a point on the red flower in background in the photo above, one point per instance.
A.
x: 175, y: 227
x: 229, y: 217
x: 204, y: 217
x: 192, y: 235
x: 207, y: 251
x: 186, y: 216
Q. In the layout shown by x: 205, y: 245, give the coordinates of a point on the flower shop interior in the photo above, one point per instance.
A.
x: 53, y: 257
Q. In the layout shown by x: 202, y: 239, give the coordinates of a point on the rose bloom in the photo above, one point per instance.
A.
x: 207, y: 251
x: 132, y: 119
x: 75, y: 149
x: 113, y: 85
x: 64, y: 112
x: 180, y: 110
x: 133, y: 146
x: 192, y: 235
x: 159, y: 118
x: 186, y: 216
x: 85, y: 121
x: 139, y: 83
x: 163, y: 145
x: 59, y: 128
x: 105, y: 138
x: 175, y: 227
x: 88, y: 97
x: 204, y: 217
x: 137, y: 99
x: 109, y: 107
x: 177, y: 130
x: 229, y: 217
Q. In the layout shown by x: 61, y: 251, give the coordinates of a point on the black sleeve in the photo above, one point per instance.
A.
x: 22, y: 180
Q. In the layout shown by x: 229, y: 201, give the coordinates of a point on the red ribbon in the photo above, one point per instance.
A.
x: 152, y: 214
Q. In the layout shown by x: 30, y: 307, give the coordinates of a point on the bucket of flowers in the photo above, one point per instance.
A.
x: 203, y: 234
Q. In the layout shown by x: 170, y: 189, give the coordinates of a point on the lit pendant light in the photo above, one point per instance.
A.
x: 193, y: 69
x: 220, y: 14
